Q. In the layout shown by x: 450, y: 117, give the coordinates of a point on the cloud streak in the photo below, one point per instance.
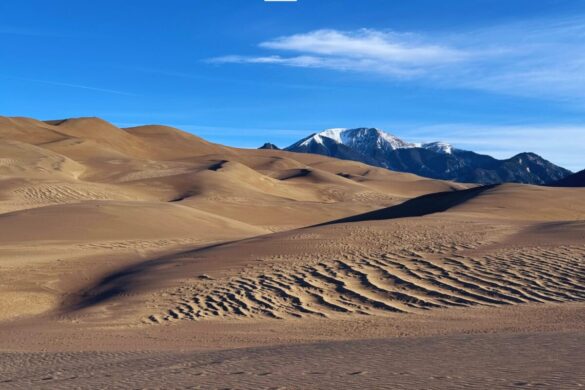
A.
x: 78, y: 86
x: 367, y: 43
x: 366, y: 50
x: 544, y: 59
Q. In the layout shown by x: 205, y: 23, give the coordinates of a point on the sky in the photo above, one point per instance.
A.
x: 494, y: 76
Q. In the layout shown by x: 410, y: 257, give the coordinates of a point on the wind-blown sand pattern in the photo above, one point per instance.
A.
x: 389, y: 282
x: 150, y: 258
x: 376, y: 269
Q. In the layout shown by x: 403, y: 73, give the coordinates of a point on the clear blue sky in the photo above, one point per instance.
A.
x: 494, y: 76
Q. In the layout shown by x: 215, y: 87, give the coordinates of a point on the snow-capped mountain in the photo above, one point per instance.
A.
x: 438, y: 160
x: 367, y: 141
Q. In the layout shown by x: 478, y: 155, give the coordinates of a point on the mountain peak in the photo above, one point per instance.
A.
x: 268, y: 145
x: 439, y: 147
x: 368, y: 138
x: 334, y: 134
x: 354, y: 138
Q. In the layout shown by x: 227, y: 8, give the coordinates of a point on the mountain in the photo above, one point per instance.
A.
x: 270, y: 146
x: 438, y: 160
x: 574, y: 180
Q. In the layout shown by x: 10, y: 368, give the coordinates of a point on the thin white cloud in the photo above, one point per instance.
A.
x: 78, y: 86
x: 366, y: 50
x: 335, y: 63
x: 543, y: 59
x: 369, y: 44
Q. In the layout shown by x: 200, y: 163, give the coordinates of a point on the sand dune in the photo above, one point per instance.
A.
x: 169, y: 143
x: 526, y: 202
x: 28, y: 130
x: 108, y: 220
x: 152, y: 238
x: 507, y: 201
x: 20, y: 159
x: 73, y: 160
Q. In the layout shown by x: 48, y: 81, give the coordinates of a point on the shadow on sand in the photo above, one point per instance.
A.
x: 417, y: 207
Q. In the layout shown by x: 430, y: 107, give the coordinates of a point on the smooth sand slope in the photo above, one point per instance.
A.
x: 148, y: 257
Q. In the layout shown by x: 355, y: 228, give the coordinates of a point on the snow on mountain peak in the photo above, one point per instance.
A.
x: 334, y: 134
x: 359, y: 136
x: 367, y: 139
x: 439, y: 147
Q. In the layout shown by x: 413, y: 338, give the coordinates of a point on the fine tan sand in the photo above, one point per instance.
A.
x: 150, y: 258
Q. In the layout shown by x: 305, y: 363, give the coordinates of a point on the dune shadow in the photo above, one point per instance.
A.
x: 417, y: 207
x: 129, y: 279
x: 294, y: 173
x: 217, y: 165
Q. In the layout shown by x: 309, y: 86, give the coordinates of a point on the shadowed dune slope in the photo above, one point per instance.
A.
x: 507, y: 201
x: 526, y: 202
x: 423, y: 205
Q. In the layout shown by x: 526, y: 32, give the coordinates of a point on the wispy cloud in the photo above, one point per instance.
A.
x: 364, y: 50
x: 367, y: 43
x: 78, y: 86
x: 538, y: 58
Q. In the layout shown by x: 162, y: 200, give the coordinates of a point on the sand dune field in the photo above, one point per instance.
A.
x: 150, y: 258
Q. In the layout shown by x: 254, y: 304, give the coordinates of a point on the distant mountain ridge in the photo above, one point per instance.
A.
x: 437, y: 160
x: 574, y: 180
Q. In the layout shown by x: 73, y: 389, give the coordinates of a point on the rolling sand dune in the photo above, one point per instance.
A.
x: 149, y: 257
x: 103, y: 220
x: 358, y: 269
x: 19, y: 159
